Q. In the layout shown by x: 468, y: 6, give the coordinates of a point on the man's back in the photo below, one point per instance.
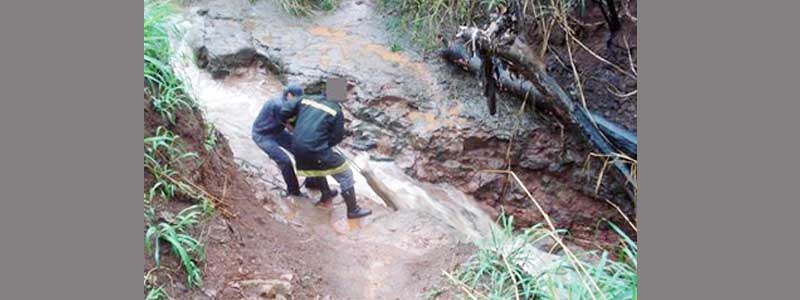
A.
x: 267, y: 121
x: 319, y: 125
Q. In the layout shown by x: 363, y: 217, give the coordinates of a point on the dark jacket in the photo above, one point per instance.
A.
x: 319, y: 127
x: 267, y: 122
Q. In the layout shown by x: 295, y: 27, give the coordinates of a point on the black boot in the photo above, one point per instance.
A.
x: 292, y: 187
x: 312, y: 183
x: 353, y: 211
x: 327, y: 194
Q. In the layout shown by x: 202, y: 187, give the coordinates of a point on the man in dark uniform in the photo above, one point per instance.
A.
x: 270, y: 134
x: 320, y: 127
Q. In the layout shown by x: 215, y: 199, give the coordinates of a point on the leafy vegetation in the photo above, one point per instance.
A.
x: 157, y: 293
x: 396, y: 47
x: 495, y: 272
x: 423, y: 20
x: 163, y: 147
x: 164, y: 155
x: 306, y: 7
x: 211, y: 138
x: 175, y: 231
x: 162, y: 86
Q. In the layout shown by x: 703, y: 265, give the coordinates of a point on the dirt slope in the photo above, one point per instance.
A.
x: 319, y: 258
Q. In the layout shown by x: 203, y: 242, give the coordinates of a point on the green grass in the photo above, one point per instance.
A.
x: 175, y: 232
x: 162, y: 86
x: 306, y: 7
x: 492, y: 273
x: 157, y: 293
x: 163, y: 152
x: 211, y: 137
x: 423, y: 20
x: 396, y: 47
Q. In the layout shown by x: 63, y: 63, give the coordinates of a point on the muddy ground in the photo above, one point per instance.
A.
x: 316, y: 259
x: 429, y: 118
x: 424, y: 120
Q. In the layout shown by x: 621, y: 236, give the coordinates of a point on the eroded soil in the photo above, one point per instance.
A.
x: 427, y: 124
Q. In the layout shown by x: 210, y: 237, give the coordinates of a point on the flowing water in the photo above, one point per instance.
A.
x: 233, y: 103
x: 430, y: 216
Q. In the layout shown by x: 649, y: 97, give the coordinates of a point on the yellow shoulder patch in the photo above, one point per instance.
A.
x: 319, y: 106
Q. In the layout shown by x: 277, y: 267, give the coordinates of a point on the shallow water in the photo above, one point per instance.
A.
x: 232, y: 105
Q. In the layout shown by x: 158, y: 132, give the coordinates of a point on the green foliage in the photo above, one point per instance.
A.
x: 307, y: 7
x: 161, y: 152
x: 396, y: 47
x: 157, y: 293
x: 493, y: 273
x: 162, y: 86
x: 175, y: 232
x: 207, y: 206
x: 211, y: 138
x: 423, y: 20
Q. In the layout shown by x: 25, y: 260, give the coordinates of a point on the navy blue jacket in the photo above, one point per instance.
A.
x: 268, y: 121
x: 319, y: 127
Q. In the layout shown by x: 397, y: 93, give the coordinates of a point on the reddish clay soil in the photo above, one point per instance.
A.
x: 255, y: 245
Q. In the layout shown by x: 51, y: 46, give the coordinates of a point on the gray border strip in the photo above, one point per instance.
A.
x: 71, y: 125
x: 718, y: 201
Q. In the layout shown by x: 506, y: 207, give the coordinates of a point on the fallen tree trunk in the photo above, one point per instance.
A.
x: 620, y: 137
x: 498, y: 41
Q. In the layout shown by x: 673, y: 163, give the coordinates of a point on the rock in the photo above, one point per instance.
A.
x: 406, y: 160
x: 452, y: 165
x: 275, y: 288
x: 212, y: 293
x: 420, y: 140
x: 180, y: 286
x: 222, y: 45
x: 288, y: 277
x: 364, y: 143
x: 495, y: 163
x: 453, y: 147
x: 268, y: 289
x: 219, y: 233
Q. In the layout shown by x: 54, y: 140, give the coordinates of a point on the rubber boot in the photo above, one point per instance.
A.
x: 292, y: 187
x: 312, y: 183
x: 353, y: 211
x: 327, y: 193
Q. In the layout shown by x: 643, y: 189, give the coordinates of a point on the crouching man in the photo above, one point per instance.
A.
x: 270, y: 134
x: 320, y: 127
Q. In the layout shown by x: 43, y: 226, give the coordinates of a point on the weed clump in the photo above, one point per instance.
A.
x: 306, y: 7
x: 164, y: 157
x: 495, y: 272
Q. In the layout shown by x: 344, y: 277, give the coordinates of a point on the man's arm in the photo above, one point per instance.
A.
x: 337, y: 134
x: 288, y: 111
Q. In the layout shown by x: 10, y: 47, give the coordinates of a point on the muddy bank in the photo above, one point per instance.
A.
x: 427, y: 117
x: 259, y: 251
